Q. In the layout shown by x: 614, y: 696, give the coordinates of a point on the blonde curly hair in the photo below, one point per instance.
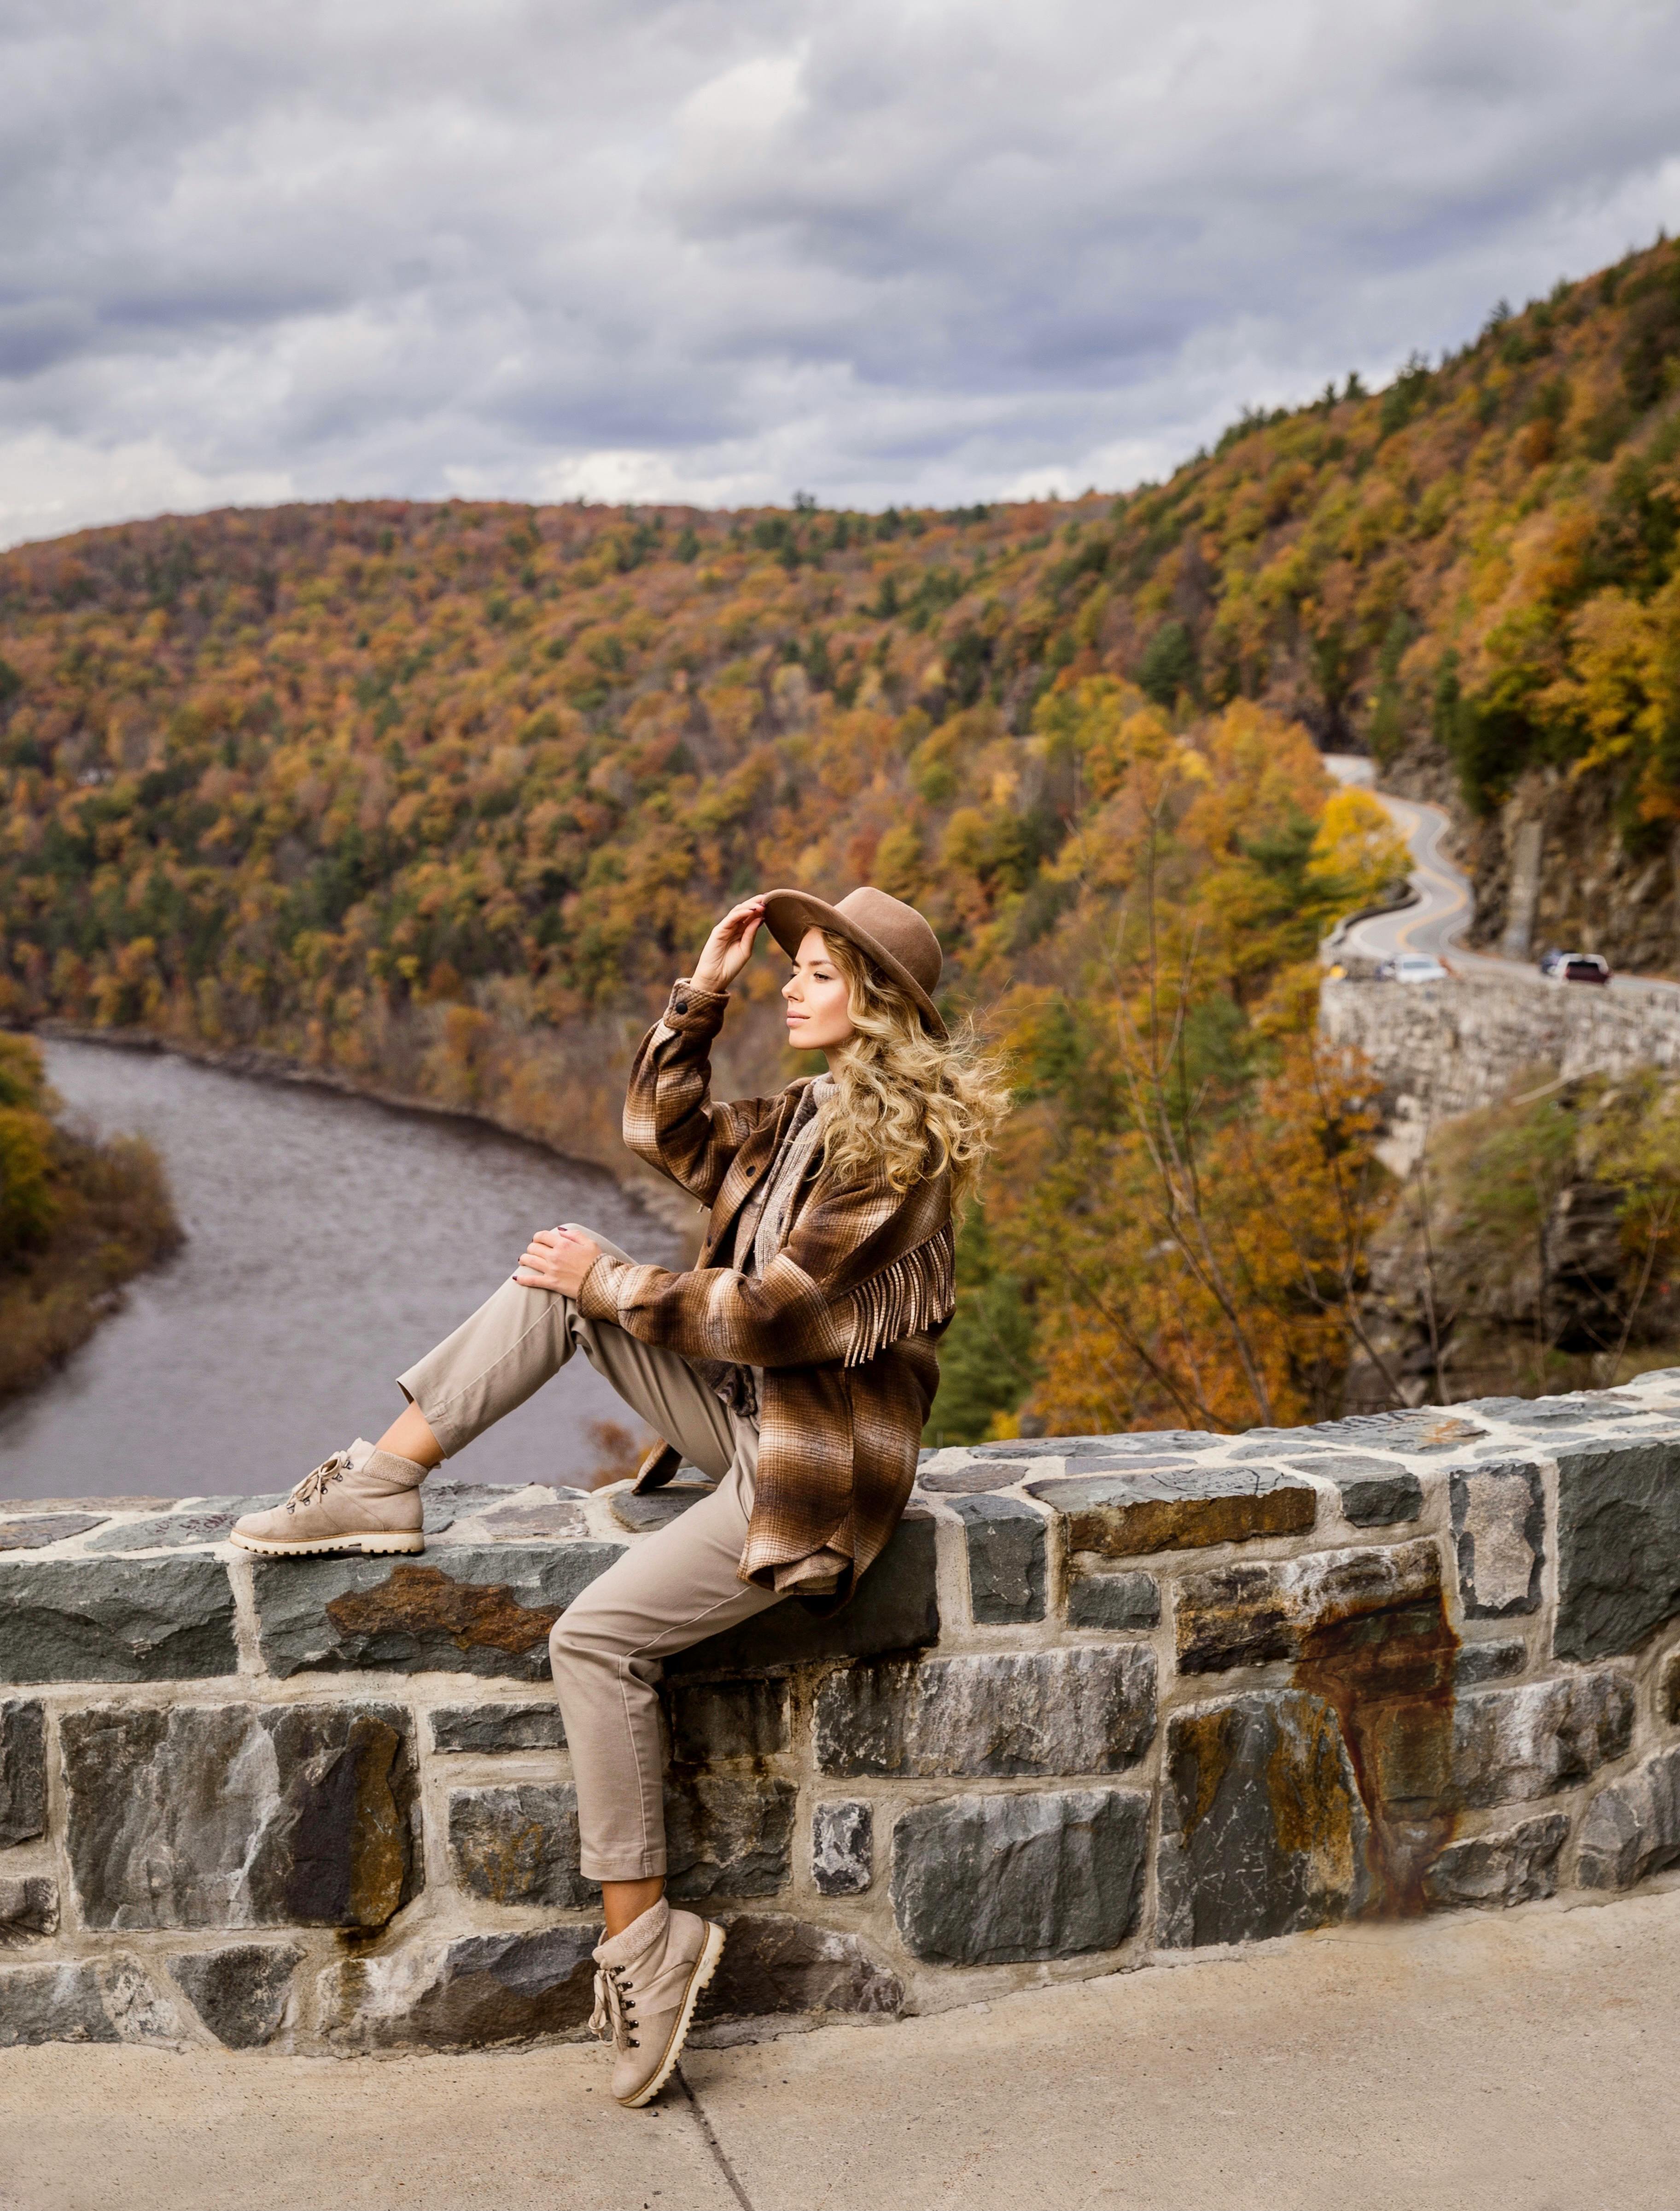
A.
x: 907, y: 1101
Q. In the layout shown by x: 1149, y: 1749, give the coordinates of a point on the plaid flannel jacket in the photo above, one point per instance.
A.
x: 844, y: 1320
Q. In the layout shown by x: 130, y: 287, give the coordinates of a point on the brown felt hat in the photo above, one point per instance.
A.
x: 893, y: 935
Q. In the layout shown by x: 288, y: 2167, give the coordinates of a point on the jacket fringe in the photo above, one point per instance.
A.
x: 917, y: 1291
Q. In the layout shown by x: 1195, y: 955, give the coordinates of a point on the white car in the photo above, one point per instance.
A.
x: 1576, y: 967
x: 1415, y: 968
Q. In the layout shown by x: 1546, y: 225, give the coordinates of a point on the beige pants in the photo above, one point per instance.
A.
x: 670, y: 1589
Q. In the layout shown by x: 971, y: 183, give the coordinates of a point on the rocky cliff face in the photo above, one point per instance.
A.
x: 1565, y: 860
x: 1602, y: 883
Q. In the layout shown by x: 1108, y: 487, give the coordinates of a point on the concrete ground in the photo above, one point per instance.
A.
x: 1522, y: 2062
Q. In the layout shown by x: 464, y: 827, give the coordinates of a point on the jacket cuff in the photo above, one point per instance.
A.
x: 598, y: 1293
x: 691, y: 1011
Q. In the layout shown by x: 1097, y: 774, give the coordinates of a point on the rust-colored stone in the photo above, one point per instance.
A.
x: 1389, y: 1677
x: 1263, y: 1831
x: 380, y: 1842
x: 1368, y: 1632
x: 422, y: 1600
x: 1127, y: 1514
x: 1243, y: 1615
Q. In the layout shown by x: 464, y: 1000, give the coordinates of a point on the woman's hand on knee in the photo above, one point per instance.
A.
x: 557, y: 1259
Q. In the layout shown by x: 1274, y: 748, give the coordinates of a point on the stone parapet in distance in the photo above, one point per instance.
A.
x: 1451, y: 1047
x: 1105, y: 1699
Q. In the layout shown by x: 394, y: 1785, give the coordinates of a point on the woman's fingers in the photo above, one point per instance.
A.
x: 556, y: 1259
x: 730, y: 946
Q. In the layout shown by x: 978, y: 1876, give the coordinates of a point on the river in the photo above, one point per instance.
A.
x: 330, y: 1241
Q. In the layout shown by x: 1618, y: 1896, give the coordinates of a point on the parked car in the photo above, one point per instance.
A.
x: 1576, y: 967
x: 1413, y: 968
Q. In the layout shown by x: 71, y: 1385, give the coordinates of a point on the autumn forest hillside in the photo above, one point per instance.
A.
x: 441, y: 796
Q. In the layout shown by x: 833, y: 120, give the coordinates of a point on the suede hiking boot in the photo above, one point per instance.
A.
x: 359, y: 1500
x: 647, y: 1982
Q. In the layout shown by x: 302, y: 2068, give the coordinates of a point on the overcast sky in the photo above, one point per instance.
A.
x: 720, y: 249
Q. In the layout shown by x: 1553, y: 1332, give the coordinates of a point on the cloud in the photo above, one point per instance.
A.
x: 713, y: 249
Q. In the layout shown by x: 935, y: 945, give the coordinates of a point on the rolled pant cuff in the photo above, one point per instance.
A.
x: 649, y: 1866
x: 452, y: 1436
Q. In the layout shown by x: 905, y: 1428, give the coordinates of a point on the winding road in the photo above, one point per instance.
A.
x: 1445, y: 899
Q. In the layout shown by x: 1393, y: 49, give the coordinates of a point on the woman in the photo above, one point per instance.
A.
x: 795, y: 1365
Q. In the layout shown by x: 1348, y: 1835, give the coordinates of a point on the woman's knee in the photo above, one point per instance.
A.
x: 572, y: 1645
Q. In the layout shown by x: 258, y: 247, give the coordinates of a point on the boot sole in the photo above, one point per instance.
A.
x: 370, y: 1546
x: 715, y: 1937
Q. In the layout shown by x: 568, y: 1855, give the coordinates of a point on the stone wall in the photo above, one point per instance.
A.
x: 1446, y: 1048
x: 1105, y: 1699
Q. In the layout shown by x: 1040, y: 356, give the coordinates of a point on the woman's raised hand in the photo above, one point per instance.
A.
x: 729, y: 946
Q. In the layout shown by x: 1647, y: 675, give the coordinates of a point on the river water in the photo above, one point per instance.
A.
x: 330, y: 1241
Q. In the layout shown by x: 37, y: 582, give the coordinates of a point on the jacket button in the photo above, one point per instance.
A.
x: 679, y: 1005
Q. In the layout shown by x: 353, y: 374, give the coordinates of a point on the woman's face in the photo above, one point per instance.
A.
x: 815, y: 995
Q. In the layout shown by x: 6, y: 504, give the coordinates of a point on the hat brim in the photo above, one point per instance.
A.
x: 789, y: 914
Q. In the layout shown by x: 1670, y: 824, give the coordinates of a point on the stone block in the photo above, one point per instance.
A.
x: 113, y: 2001
x: 1668, y: 1692
x: 239, y: 1992
x: 478, y: 1497
x: 1516, y: 1866
x: 1113, y: 1600
x: 180, y: 1531
x: 975, y: 1478
x: 115, y: 1619
x: 748, y: 1718
x: 896, y: 1608
x: 1511, y: 1746
x: 466, y: 1608
x: 468, y: 1994
x: 1127, y: 1514
x: 774, y: 1965
x: 1591, y: 1409
x: 1085, y: 1465
x: 241, y: 1816
x: 656, y: 1508
x: 993, y: 1881
x: 519, y: 1844
x: 534, y: 1516
x: 1633, y: 1827
x: 1243, y: 1615
x: 1376, y: 1493
x: 1422, y: 1432
x: 1498, y: 1523
x: 842, y: 1848
x: 1489, y: 1662
x: 1005, y: 1541
x: 1083, y: 1709
x: 1618, y: 1547
x: 1263, y: 1831
x: 22, y: 1770
x: 35, y: 1530
x: 51, y: 2003
x: 28, y: 1908
x: 488, y: 1728
x: 728, y: 1834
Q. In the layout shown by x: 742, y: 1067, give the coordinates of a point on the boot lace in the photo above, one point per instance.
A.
x: 314, y: 1485
x: 614, y: 2017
